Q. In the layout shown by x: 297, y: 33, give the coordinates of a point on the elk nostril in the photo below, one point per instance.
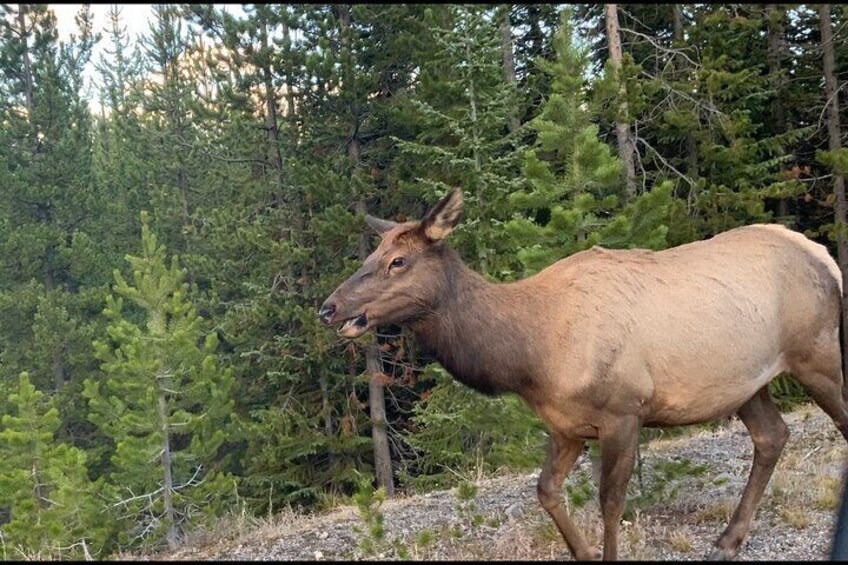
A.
x: 326, y: 312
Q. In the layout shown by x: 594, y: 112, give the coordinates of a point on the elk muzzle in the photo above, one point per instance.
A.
x: 351, y: 326
x: 327, y: 311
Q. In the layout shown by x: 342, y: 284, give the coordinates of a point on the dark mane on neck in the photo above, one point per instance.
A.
x: 475, y: 331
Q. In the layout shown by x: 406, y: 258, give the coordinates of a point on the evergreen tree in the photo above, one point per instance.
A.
x: 461, y: 108
x: 49, y: 217
x: 455, y: 432
x: 51, y: 504
x: 462, y: 134
x: 163, y: 401
x: 576, y: 196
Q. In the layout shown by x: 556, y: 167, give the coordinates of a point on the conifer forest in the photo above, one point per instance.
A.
x: 170, y: 227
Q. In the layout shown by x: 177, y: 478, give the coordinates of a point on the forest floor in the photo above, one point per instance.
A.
x: 689, y: 487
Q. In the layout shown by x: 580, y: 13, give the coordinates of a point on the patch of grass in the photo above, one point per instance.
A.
x: 796, y: 516
x: 581, y: 491
x: 424, y: 538
x: 836, y: 454
x: 790, y: 460
x: 633, y: 536
x: 546, y: 533
x: 681, y: 541
x: 668, y: 477
x: 828, y: 493
x: 238, y: 523
x: 780, y: 488
x: 718, y: 511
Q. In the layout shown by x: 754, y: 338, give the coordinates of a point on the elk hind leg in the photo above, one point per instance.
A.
x: 562, y: 454
x: 769, y: 434
x: 822, y: 378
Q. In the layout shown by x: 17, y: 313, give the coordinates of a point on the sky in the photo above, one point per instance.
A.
x: 135, y: 18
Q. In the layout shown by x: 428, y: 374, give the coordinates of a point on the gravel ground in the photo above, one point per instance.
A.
x: 795, y: 520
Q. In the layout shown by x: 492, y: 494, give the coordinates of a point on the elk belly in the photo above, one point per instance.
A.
x: 690, y: 401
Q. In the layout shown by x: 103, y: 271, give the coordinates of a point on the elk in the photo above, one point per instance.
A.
x: 605, y: 341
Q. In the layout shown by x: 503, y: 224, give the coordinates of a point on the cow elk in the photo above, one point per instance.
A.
x: 606, y: 341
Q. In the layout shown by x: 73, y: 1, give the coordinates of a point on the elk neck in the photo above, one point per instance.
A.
x: 480, y: 332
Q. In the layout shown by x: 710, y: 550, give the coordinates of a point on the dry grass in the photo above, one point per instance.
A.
x: 680, y: 540
x: 718, y: 511
x: 232, y: 526
x: 789, y: 461
x: 828, y: 493
x: 795, y: 516
x: 782, y: 487
x: 634, y: 539
x: 545, y: 533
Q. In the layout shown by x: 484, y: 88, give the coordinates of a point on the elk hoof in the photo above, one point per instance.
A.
x: 720, y: 555
x: 593, y: 554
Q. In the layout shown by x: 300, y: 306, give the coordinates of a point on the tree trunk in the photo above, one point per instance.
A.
x: 775, y: 17
x: 508, y: 61
x: 158, y: 328
x: 834, y: 143
x: 291, y: 108
x: 168, y: 486
x: 28, y: 80
x: 271, y: 108
x: 44, y: 214
x: 691, y: 144
x: 328, y: 415
x: 622, y: 128
x: 475, y: 136
x: 379, y: 424
x: 376, y: 397
x: 58, y: 368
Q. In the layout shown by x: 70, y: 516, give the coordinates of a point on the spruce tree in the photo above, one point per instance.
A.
x: 462, y: 107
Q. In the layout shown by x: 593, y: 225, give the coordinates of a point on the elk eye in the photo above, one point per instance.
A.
x: 397, y: 262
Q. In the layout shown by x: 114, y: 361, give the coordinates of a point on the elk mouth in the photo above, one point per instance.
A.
x: 355, y: 326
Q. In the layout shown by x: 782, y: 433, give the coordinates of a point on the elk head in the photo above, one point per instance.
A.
x: 402, y: 279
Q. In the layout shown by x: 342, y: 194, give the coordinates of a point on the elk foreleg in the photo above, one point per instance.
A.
x: 769, y: 434
x: 562, y: 454
x: 619, y: 443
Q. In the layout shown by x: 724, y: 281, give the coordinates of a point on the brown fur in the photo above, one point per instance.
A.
x: 604, y: 342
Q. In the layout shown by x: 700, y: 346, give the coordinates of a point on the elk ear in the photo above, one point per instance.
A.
x: 378, y: 225
x: 444, y: 216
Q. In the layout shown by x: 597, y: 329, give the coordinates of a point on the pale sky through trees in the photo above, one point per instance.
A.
x: 135, y: 18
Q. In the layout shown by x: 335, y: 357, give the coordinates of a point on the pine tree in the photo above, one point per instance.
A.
x: 454, y: 432
x: 50, y: 225
x: 462, y: 133
x: 163, y: 400
x: 462, y: 106
x: 52, y: 506
x: 576, y: 188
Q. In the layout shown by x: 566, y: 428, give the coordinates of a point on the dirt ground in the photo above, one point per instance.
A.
x: 688, y: 489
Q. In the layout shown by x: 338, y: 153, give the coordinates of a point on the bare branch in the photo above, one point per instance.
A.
x: 668, y: 50
x: 662, y: 159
